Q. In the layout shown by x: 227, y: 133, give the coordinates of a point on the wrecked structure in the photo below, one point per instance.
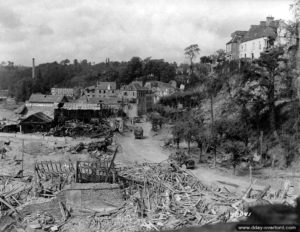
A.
x: 146, y: 197
x: 38, y: 122
x: 82, y: 112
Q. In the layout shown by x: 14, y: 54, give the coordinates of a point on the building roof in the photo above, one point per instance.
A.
x: 38, y: 117
x: 41, y: 98
x: 264, y: 29
x: 106, y: 85
x: 133, y: 87
x: 259, y: 32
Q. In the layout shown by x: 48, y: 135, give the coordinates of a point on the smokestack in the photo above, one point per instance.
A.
x: 33, y: 69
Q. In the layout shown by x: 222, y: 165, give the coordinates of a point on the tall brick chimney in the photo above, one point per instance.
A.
x: 33, y: 69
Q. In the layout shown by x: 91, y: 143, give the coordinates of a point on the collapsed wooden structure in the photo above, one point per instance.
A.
x: 38, y: 122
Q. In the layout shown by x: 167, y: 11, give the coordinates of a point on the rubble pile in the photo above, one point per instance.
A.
x: 75, y: 128
x: 158, y: 196
x: 170, y: 197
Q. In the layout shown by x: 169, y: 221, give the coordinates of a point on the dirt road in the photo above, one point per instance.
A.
x: 133, y: 150
x: 150, y: 149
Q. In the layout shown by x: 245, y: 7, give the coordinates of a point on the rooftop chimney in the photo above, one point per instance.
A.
x: 33, y: 69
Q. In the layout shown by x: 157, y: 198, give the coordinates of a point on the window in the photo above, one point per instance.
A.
x: 245, y: 55
x: 125, y: 93
x: 259, y: 45
x: 252, y: 55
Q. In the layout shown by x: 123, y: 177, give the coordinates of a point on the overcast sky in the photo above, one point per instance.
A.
x: 53, y: 30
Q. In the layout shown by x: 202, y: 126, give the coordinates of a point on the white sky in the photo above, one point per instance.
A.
x: 53, y: 30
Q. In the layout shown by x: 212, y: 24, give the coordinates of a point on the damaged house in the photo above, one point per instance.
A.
x: 139, y: 99
x: 38, y: 122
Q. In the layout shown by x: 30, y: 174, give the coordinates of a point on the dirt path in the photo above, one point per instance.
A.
x: 140, y: 150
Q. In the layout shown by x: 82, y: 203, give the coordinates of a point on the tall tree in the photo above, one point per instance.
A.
x: 191, y: 52
x: 270, y: 64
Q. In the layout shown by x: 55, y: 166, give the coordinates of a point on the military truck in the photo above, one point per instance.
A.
x: 138, y: 132
x: 180, y: 159
x: 156, y: 121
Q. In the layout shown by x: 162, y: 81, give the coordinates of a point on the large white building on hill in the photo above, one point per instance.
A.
x: 259, y: 38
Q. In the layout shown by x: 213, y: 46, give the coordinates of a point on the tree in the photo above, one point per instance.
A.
x: 220, y: 55
x: 202, y: 138
x: 178, y: 132
x: 191, y: 52
x: 270, y: 68
x: 237, y: 149
x: 132, y: 71
x: 213, y: 85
